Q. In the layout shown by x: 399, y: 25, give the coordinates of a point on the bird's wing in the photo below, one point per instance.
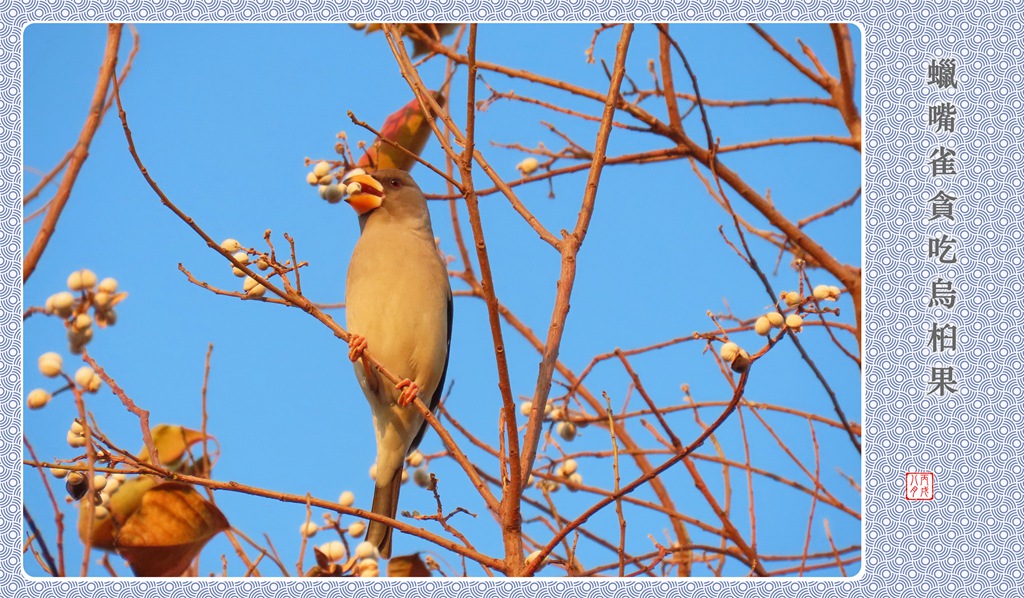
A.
x: 436, y: 399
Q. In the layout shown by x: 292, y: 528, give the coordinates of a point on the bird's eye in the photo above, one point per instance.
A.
x: 395, y: 182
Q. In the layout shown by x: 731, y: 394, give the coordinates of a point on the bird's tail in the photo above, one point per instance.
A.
x: 385, y: 502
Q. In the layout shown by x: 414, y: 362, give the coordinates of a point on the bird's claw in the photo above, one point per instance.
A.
x: 356, y: 346
x: 409, y: 391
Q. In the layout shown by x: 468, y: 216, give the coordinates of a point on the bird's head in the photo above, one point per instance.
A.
x: 367, y: 192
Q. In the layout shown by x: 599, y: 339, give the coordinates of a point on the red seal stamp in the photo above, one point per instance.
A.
x: 920, y: 485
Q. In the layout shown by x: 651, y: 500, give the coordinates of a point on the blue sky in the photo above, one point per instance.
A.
x: 223, y: 116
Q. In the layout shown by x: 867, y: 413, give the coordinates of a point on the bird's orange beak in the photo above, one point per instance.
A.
x: 365, y: 193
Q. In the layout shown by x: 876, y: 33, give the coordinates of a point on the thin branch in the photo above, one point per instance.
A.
x: 80, y: 153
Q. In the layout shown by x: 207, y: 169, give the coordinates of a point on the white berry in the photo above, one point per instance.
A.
x: 567, y: 430
x: 50, y: 364
x: 38, y: 398
x: 528, y: 165
x: 334, y: 551
x: 333, y: 193
x: 108, y: 285
x: 356, y: 529
x: 347, y: 499
x: 308, y: 529
x: 729, y: 351
x: 791, y: 298
x: 322, y: 168
x: 366, y: 550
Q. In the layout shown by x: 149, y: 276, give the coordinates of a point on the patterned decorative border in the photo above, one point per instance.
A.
x: 967, y: 540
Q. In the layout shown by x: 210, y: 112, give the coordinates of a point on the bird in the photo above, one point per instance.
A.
x: 398, y: 308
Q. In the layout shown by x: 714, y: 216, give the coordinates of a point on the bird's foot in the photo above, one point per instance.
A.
x: 409, y: 391
x: 356, y: 346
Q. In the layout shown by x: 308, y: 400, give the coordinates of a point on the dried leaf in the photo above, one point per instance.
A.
x: 168, y: 530
x: 172, y: 442
x: 407, y: 566
x: 406, y: 127
x: 123, y: 503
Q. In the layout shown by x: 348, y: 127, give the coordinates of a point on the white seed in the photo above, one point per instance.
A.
x: 120, y: 477
x: 77, y: 428
x: 75, y: 441
x: 528, y: 165
x: 94, y: 384
x: 101, y: 300
x: 356, y: 529
x: 108, y: 285
x: 50, y: 364
x: 347, y: 499
x: 237, y: 272
x: 58, y: 473
x: 576, y: 479
x: 262, y: 263
x: 241, y: 256
x: 309, y: 529
x: 353, y: 188
x: 405, y: 476
x: 373, y: 472
x: 415, y: 459
x: 311, y: 178
x: 366, y: 550
x: 762, y: 326
x: 567, y: 430
x: 367, y: 568
x: 334, y: 193
x: 99, y: 482
x: 81, y: 279
x: 38, y: 398
x: 326, y: 180
x: 79, y: 337
x: 257, y: 291
x: 84, y: 376
x: 230, y: 245
x: 322, y: 168
x: 334, y: 551
x: 729, y: 351
x: 421, y: 477
x: 835, y: 292
x: 112, y: 485
x: 526, y: 407
x: 101, y: 512
x: 557, y: 413
x: 791, y: 298
x: 822, y: 292
x: 776, y: 319
x: 533, y: 556
x: 63, y: 303
x: 81, y: 323
x: 569, y: 467
x: 795, y: 322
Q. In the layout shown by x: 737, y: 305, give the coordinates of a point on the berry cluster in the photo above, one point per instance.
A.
x: 74, y: 309
x: 249, y: 286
